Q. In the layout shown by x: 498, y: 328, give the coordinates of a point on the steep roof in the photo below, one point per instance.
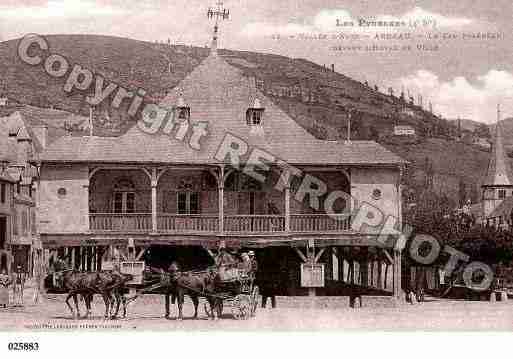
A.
x: 499, y: 170
x: 218, y: 93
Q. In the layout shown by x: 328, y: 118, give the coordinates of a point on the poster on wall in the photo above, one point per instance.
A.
x: 312, y: 275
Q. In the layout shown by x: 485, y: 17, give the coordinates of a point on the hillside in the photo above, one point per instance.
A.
x: 466, y: 124
x: 315, y: 96
x: 318, y: 98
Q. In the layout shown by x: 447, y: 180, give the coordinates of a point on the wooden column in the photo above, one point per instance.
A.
x: 73, y: 256
x: 154, y: 181
x: 95, y: 253
x: 99, y: 257
x: 220, y: 185
x: 89, y: 254
x: 380, y: 276
x: 364, y: 267
x: 83, y: 258
x: 287, y: 208
x: 397, y: 274
x: 310, y: 255
x: 88, y: 217
x: 340, y: 264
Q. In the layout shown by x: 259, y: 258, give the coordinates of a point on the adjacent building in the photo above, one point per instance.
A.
x: 7, y: 184
x: 404, y: 130
x: 497, y: 203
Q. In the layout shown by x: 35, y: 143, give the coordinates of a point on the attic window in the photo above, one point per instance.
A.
x: 183, y: 112
x: 254, y: 114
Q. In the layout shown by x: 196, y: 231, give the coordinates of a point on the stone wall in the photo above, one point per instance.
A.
x: 63, y: 199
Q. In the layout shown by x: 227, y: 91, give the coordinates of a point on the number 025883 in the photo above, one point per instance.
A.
x: 23, y: 346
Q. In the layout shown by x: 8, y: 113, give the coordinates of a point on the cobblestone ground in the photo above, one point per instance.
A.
x: 147, y: 313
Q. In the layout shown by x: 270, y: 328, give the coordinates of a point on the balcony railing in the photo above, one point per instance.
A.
x: 254, y: 223
x: 185, y: 223
x: 176, y: 223
x: 138, y: 222
x: 319, y: 223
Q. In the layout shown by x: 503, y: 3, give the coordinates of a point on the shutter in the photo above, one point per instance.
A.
x: 169, y: 205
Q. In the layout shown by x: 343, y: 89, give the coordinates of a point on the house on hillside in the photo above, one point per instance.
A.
x: 482, y: 142
x: 404, y: 130
x: 155, y: 197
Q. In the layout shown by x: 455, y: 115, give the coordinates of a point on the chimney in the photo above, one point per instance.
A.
x: 332, y: 67
x: 41, y: 133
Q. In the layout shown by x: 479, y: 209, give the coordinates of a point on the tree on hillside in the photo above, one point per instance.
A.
x: 429, y: 171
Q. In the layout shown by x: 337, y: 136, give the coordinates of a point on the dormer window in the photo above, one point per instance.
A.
x: 254, y: 114
x: 183, y: 112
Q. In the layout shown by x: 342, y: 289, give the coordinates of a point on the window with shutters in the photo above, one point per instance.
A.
x: 188, y: 203
x: 123, y: 200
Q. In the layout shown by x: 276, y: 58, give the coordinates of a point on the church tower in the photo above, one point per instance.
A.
x: 498, y: 183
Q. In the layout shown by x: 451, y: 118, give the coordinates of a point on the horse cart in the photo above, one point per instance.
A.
x: 237, y: 289
x: 224, y: 286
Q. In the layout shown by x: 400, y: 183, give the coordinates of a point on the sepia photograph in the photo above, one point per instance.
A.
x: 254, y: 168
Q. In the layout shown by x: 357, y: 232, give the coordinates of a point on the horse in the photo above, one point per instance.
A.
x: 84, y: 284
x: 195, y: 285
x: 108, y: 284
x: 115, y: 289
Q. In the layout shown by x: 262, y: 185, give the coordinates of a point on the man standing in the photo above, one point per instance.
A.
x: 19, y: 286
x: 5, y: 281
x: 254, y: 263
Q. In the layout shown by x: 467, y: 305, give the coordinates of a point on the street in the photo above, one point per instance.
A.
x: 147, y: 313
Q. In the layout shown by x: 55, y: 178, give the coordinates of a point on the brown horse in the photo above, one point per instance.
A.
x: 84, y: 284
x: 115, y: 289
x: 195, y: 285
x: 107, y: 284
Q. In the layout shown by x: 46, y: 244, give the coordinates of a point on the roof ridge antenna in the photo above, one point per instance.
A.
x: 218, y: 13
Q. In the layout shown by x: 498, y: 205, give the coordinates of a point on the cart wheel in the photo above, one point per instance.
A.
x: 254, y: 300
x: 241, y: 306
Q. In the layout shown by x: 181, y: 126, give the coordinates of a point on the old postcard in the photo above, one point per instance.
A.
x: 255, y: 166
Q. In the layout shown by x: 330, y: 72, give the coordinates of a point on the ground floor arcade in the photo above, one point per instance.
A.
x: 341, y: 267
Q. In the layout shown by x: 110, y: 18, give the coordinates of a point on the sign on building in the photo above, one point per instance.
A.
x: 134, y: 268
x: 312, y: 275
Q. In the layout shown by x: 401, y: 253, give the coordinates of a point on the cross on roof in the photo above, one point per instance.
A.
x: 218, y: 13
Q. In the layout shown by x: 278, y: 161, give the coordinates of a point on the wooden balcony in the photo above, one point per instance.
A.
x: 254, y: 223
x: 319, y: 223
x: 178, y: 223
x: 187, y: 223
x: 119, y: 222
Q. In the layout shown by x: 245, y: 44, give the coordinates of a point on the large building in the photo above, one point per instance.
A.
x: 497, y: 204
x: 163, y: 196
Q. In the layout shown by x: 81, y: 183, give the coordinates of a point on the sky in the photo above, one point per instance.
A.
x: 462, y: 78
